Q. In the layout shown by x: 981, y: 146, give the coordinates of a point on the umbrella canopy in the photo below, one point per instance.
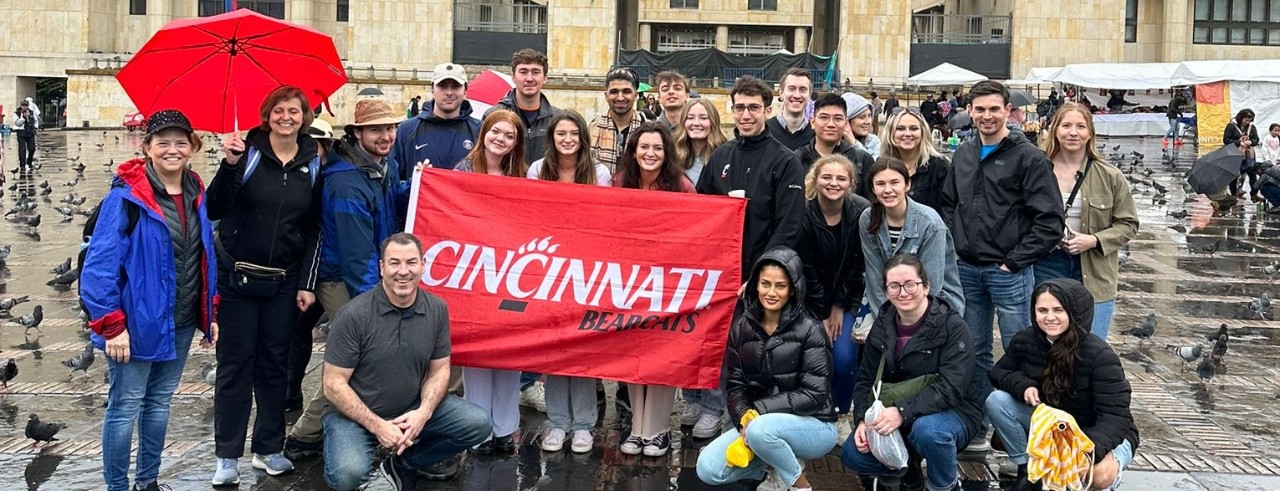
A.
x: 218, y: 70
x: 1019, y: 98
x: 1211, y: 173
x: 945, y: 74
x: 959, y: 120
x: 486, y: 90
x: 1058, y: 450
x: 645, y: 87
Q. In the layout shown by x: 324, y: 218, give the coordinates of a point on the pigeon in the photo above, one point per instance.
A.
x: 1206, y: 369
x: 1219, y: 348
x: 4, y: 251
x: 64, y: 280
x: 67, y: 213
x: 1115, y: 148
x: 1260, y: 305
x: 1187, y: 354
x: 72, y: 183
x: 1144, y: 331
x: 1180, y: 214
x: 34, y: 221
x: 9, y: 303
x: 62, y: 268
x: 82, y: 361
x: 1212, y: 248
x: 44, y: 184
x: 8, y: 372
x: 1179, y: 228
x: 208, y: 373
x: 42, y: 432
x: 32, y: 320
x: 79, y: 167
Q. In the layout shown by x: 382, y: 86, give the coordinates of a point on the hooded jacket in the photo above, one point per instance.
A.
x: 444, y: 141
x: 1004, y: 209
x: 943, y: 346
x: 535, y: 134
x: 788, y: 371
x: 144, y: 303
x: 773, y: 180
x: 360, y: 202
x: 1100, y: 395
x: 274, y: 218
x: 826, y: 255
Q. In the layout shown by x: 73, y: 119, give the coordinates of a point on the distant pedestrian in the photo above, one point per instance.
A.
x: 24, y: 126
x: 1242, y: 133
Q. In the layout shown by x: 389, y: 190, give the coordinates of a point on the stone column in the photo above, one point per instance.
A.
x: 722, y: 38
x: 1094, y: 33
x: 646, y: 36
x: 876, y: 42
x: 381, y: 32
x: 801, y: 43
x: 582, y: 36
x: 1178, y: 28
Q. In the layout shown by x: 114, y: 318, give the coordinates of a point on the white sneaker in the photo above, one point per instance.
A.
x: 844, y: 428
x: 772, y: 483
x: 980, y: 444
x: 535, y: 397
x: 690, y: 415
x: 708, y: 426
x: 553, y: 440
x: 582, y: 442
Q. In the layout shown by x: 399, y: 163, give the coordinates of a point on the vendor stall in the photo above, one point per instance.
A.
x: 1134, y: 124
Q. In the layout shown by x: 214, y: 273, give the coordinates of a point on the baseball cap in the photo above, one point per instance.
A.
x: 320, y: 130
x: 168, y: 118
x: 446, y: 71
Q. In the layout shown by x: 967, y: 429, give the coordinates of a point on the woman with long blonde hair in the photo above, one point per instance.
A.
x: 906, y: 137
x: 1101, y: 217
x: 501, y: 148
x: 697, y: 136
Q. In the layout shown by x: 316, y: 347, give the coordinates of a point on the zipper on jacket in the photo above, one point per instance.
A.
x: 275, y: 225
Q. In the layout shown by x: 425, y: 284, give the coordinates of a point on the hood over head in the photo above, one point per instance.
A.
x: 790, y: 262
x: 1073, y: 296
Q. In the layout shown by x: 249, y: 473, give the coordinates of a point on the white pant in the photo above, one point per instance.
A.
x: 498, y: 393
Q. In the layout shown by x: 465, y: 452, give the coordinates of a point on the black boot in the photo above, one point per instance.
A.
x: 1021, y: 483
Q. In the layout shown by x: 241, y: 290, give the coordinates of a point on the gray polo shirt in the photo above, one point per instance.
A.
x: 387, y: 348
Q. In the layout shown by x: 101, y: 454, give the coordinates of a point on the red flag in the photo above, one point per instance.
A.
x: 620, y: 284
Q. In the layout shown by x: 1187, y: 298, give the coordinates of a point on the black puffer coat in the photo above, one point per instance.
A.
x: 943, y: 346
x: 1100, y: 394
x: 788, y: 372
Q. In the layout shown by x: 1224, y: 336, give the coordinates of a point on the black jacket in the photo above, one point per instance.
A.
x: 273, y: 219
x: 1005, y: 209
x: 1100, y: 395
x: 839, y: 257
x: 793, y: 141
x: 860, y: 158
x: 932, y: 112
x: 1233, y: 133
x: 943, y: 346
x: 927, y: 183
x: 537, y: 130
x: 774, y: 181
x: 788, y: 372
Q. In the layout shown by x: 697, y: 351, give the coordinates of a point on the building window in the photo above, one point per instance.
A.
x: 679, y: 40
x: 761, y: 4
x: 756, y: 42
x: 344, y: 10
x: 684, y: 4
x: 1238, y: 22
x: 269, y: 8
x: 137, y: 7
x: 518, y: 16
x: 1131, y: 21
x: 208, y: 8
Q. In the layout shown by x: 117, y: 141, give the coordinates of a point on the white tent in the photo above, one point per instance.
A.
x: 1128, y: 76
x: 945, y: 74
x: 1203, y: 72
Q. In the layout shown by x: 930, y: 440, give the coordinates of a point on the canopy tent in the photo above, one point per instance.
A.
x: 1036, y: 76
x: 945, y: 74
x: 1208, y: 71
x: 1128, y: 76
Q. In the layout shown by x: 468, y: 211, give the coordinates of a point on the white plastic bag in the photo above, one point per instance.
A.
x: 889, y: 450
x: 863, y: 322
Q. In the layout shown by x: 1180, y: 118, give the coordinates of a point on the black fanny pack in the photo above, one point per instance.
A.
x: 257, y: 281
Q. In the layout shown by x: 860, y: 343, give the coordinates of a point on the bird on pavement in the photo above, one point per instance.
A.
x: 81, y: 361
x: 8, y: 372
x: 1206, y: 369
x: 62, y: 268
x: 1219, y: 348
x: 208, y: 373
x: 9, y: 303
x: 1260, y: 305
x: 1212, y: 248
x: 1180, y: 214
x: 42, y: 432
x: 32, y: 320
x: 1144, y: 331
x: 34, y: 221
x: 1187, y: 354
x: 64, y: 280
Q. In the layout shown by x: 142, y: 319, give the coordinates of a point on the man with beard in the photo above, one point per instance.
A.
x: 673, y: 92
x: 609, y: 130
x: 359, y: 195
x: 791, y: 127
x: 443, y: 133
x: 1002, y: 204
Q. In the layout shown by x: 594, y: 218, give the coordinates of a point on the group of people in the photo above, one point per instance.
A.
x: 867, y: 257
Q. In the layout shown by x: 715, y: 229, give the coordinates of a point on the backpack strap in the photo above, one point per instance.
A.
x: 251, y: 164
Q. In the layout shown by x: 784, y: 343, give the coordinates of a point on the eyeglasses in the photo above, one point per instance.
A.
x: 909, y: 287
x: 826, y: 118
x: 751, y: 108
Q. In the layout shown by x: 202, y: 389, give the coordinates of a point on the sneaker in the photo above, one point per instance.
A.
x: 553, y: 440
x: 583, y: 442
x: 505, y: 444
x: 485, y: 448
x: 227, y: 474
x: 275, y: 464
x: 154, y: 486
x: 772, y: 483
x: 690, y: 415
x: 844, y: 428
x: 708, y: 426
x: 632, y: 445
x: 295, y: 449
x: 980, y: 444
x: 535, y: 396
x: 443, y: 470
x: 659, y: 445
x: 391, y: 470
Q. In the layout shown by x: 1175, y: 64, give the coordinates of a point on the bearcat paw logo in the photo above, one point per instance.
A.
x: 539, y: 245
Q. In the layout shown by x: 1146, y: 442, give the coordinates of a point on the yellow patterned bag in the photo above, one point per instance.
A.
x: 1061, y: 455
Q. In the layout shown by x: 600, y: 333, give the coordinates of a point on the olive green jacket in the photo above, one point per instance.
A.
x: 1109, y: 214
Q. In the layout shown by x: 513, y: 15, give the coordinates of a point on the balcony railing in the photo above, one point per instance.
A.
x: 960, y: 29
x: 524, y: 18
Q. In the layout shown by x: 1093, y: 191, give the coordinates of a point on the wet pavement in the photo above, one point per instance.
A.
x: 1194, y: 273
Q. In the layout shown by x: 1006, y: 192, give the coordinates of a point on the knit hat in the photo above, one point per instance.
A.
x: 854, y: 104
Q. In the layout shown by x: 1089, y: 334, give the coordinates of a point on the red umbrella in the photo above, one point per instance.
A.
x: 487, y: 89
x: 218, y: 70
x: 134, y: 120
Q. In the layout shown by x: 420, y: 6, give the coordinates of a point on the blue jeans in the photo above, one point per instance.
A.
x: 1271, y: 192
x: 1173, y: 129
x: 936, y: 437
x: 844, y: 355
x: 1060, y: 264
x: 348, y: 447
x: 988, y: 290
x: 1012, y: 421
x: 781, y: 441
x: 140, y: 391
